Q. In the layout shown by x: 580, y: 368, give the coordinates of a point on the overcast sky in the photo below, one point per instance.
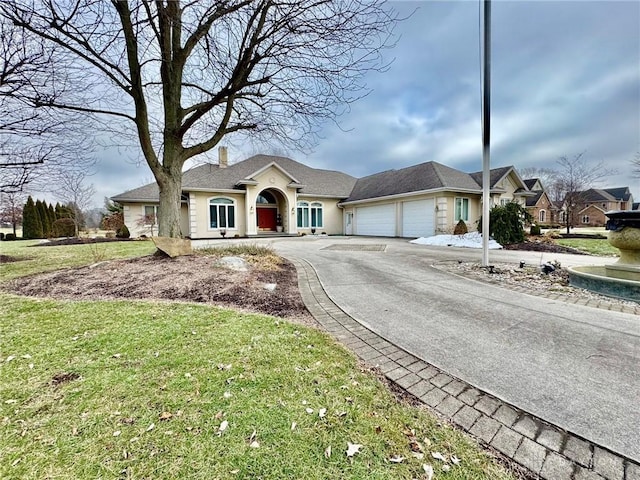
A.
x: 565, y: 80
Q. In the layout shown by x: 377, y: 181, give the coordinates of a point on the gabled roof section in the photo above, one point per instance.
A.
x: 596, y: 195
x: 532, y: 182
x: 417, y: 178
x: 532, y: 201
x: 495, y: 176
x: 312, y: 181
x: 619, y: 193
x: 266, y: 167
x: 591, y: 207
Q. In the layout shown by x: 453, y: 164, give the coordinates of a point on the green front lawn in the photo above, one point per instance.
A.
x: 173, y: 390
x: 144, y: 390
x: 34, y: 259
x: 593, y: 246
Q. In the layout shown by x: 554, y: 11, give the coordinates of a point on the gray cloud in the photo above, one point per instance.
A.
x: 565, y: 80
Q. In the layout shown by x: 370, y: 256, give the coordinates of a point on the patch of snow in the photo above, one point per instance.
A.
x: 468, y: 240
x: 270, y: 286
x: 234, y: 263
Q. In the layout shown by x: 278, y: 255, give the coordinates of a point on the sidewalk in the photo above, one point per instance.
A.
x: 541, y: 448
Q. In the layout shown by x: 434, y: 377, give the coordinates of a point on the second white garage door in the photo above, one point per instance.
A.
x: 377, y: 221
x: 418, y: 218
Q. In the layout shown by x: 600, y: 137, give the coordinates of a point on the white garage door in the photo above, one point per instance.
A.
x: 378, y: 221
x: 417, y: 218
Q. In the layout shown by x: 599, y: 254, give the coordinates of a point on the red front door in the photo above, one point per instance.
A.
x: 266, y: 218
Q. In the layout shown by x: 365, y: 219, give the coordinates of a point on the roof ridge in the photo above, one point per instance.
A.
x: 436, y: 166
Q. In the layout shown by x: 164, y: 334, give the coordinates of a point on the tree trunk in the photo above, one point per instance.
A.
x: 170, y: 193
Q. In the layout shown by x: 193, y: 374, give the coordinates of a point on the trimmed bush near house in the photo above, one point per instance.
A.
x: 9, y: 236
x: 123, y: 232
x: 535, y: 230
x: 506, y: 223
x: 460, y: 228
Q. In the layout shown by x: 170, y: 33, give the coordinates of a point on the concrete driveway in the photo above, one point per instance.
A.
x: 575, y: 367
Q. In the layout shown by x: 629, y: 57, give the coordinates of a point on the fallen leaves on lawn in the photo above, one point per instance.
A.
x: 353, y: 448
x: 428, y: 470
x: 253, y: 442
x: 223, y: 426
x: 438, y: 456
x: 327, y: 452
x: 166, y: 415
x: 397, y: 459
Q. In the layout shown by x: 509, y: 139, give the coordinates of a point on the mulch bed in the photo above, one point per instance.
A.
x: 192, y: 278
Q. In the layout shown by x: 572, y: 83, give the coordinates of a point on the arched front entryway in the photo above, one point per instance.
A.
x: 271, y: 206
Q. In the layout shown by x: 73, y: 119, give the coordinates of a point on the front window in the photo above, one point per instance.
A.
x: 542, y: 215
x: 150, y: 214
x: 222, y: 213
x: 462, y: 209
x: 585, y: 219
x: 309, y: 215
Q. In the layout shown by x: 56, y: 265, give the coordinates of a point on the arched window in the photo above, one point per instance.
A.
x: 265, y: 198
x: 542, y: 215
x: 309, y: 215
x: 222, y: 213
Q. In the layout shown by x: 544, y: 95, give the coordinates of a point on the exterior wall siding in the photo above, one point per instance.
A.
x: 333, y: 219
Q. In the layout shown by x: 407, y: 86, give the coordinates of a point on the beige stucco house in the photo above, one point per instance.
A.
x: 270, y: 194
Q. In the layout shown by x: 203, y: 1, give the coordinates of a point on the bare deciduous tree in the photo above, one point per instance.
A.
x: 575, y: 177
x: 635, y: 162
x: 549, y: 179
x: 185, y: 74
x: 11, y: 209
x: 78, y: 196
x: 35, y: 143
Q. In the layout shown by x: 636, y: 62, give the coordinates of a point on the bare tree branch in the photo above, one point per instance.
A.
x: 187, y: 74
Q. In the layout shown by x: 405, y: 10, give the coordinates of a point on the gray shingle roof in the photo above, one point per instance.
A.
x: 619, y: 193
x: 212, y: 177
x: 496, y: 174
x: 421, y: 177
x: 531, y: 201
x: 596, y: 195
x: 530, y: 182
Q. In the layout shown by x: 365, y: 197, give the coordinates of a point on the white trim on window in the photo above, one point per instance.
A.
x: 222, y: 213
x: 585, y: 219
x: 461, y: 209
x: 542, y: 215
x: 150, y: 212
x: 309, y: 215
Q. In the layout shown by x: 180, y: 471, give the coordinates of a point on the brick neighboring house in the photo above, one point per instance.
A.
x: 595, y: 202
x: 540, y: 206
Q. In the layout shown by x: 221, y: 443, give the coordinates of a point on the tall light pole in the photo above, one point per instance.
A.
x: 486, y: 129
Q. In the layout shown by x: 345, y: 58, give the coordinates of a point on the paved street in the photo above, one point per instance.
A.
x: 576, y: 367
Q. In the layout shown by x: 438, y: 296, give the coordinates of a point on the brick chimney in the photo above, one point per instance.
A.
x: 222, y: 157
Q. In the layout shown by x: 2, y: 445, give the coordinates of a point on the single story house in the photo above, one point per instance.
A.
x: 265, y: 193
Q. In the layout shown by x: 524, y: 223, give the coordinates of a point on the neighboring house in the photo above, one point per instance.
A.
x: 593, y: 204
x: 265, y: 194
x: 539, y: 205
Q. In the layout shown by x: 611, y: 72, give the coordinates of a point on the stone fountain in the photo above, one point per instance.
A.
x: 620, y: 279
